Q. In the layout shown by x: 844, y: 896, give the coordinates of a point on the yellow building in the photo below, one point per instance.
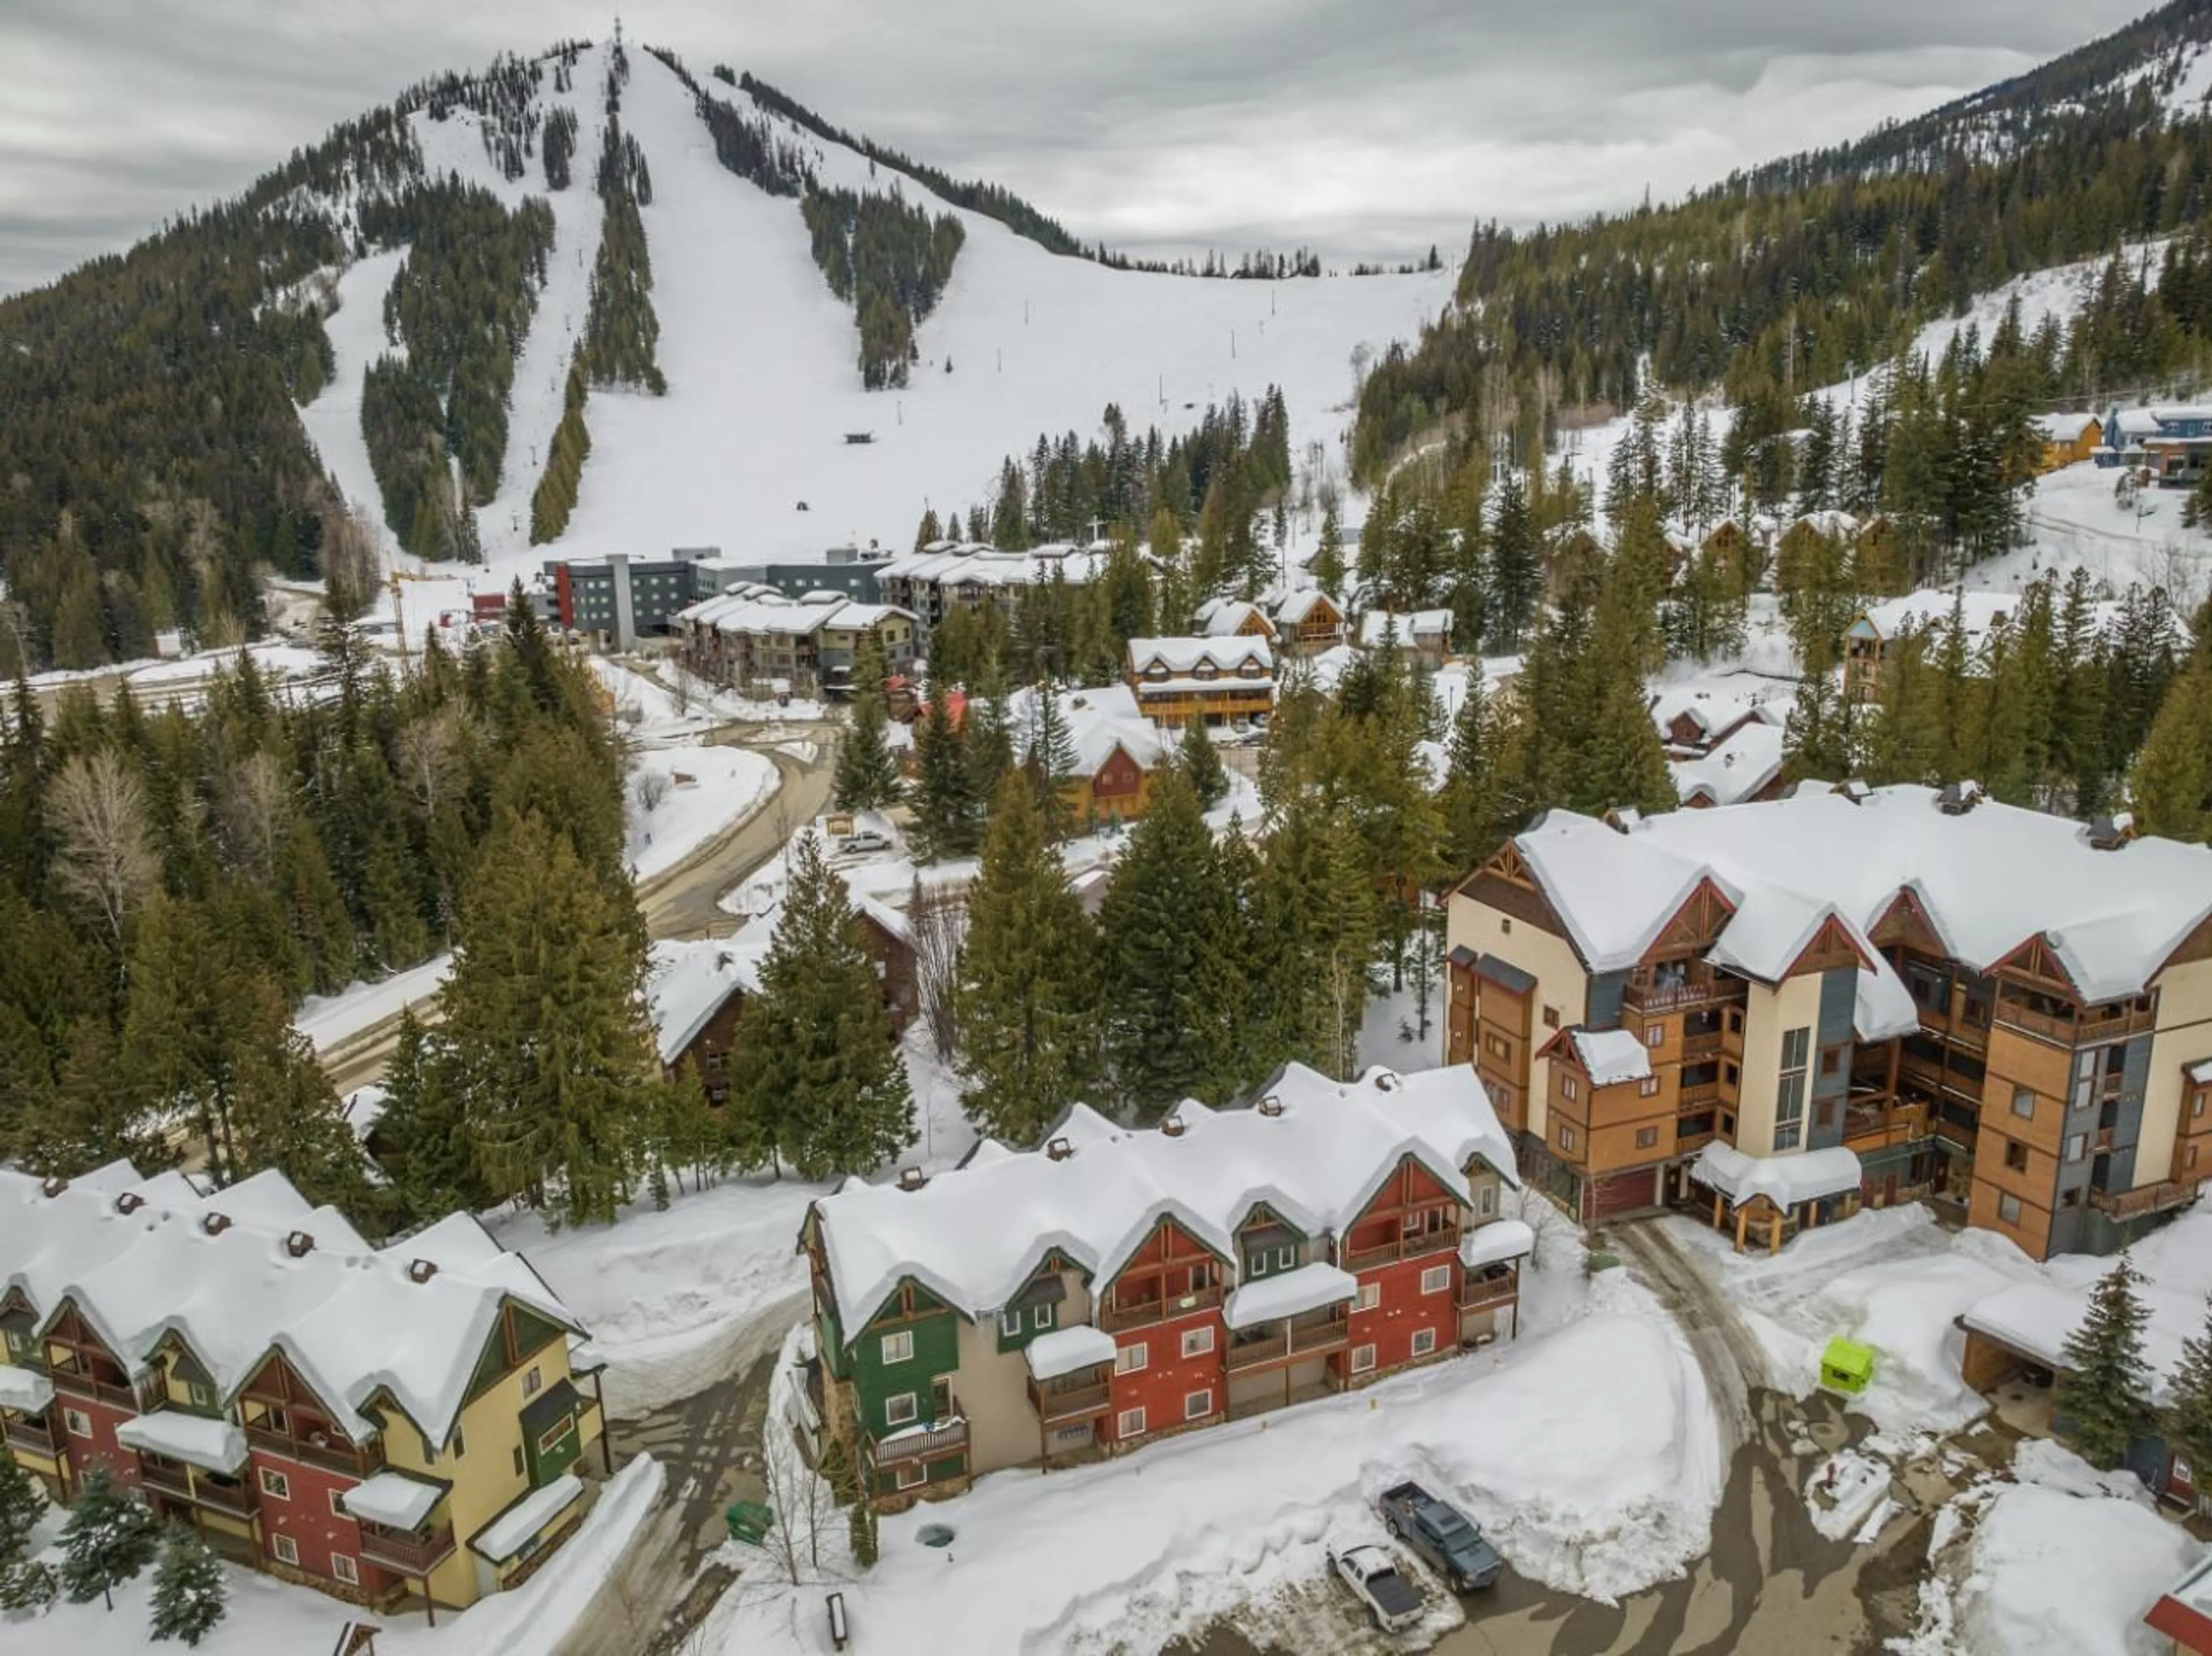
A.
x: 1220, y: 680
x: 2068, y: 439
x: 400, y: 1428
x: 1116, y: 750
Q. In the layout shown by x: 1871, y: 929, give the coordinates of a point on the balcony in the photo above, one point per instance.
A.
x: 2067, y: 1030
x: 404, y: 1552
x: 1264, y: 1350
x: 906, y: 1446
x: 333, y: 1455
x: 1119, y: 1316
x: 1686, y: 1143
x: 2149, y: 1199
x: 1701, y: 1046
x: 1059, y: 1406
x: 1400, y: 1247
x: 175, y: 1481
x: 1647, y: 992
x: 2102, y: 1143
x: 1703, y: 1096
x: 78, y: 1384
x: 1477, y: 1292
x: 34, y: 1438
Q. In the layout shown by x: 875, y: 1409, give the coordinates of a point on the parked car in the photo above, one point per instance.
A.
x: 1375, y: 1580
x: 1443, y: 1535
x: 866, y: 840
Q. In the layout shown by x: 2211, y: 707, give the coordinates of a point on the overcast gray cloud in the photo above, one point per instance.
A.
x: 1365, y: 128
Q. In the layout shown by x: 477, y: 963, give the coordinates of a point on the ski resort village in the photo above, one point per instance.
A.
x: 749, y: 904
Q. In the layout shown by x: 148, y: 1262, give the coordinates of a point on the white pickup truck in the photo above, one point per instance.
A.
x: 1375, y: 1580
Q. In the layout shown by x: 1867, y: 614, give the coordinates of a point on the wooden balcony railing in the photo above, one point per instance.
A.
x: 1400, y: 1247
x: 1477, y: 1292
x: 169, y: 1480
x: 1258, y: 1351
x: 1075, y: 1402
x: 1118, y: 1316
x: 34, y: 1437
x: 78, y: 1384
x: 1698, y: 988
x: 403, y: 1551
x: 1330, y: 1336
x: 2067, y: 1030
x: 1703, y: 1096
x: 2148, y: 1199
x: 337, y: 1455
x: 2103, y: 1141
x: 201, y: 1489
x: 1685, y: 1142
x: 1701, y: 1046
x: 902, y: 1447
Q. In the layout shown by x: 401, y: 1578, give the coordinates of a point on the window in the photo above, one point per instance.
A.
x: 1550, y: 1016
x: 1570, y: 1087
x: 1424, y: 1342
x: 1010, y: 1323
x: 1436, y: 1278
x: 200, y: 1396
x: 1832, y: 1060
x: 1131, y: 1358
x: 554, y: 1434
x: 912, y: 1475
x: 286, y: 1548
x: 1286, y: 1258
x: 901, y: 1410
x: 1789, y: 1093
x: 1795, y: 1044
x: 1736, y: 1020
x: 1363, y: 1360
x: 1197, y: 1405
x: 1648, y: 1087
x: 1486, y: 1201
x: 1371, y: 1295
x: 521, y: 1470
x: 2197, y: 1103
x: 2015, y: 1156
x: 342, y: 1566
x: 533, y: 1381
x: 77, y: 1423
x: 2077, y: 1146
x: 2070, y: 1198
x: 460, y: 1445
x: 1566, y: 1137
x: 1130, y: 1423
x: 1646, y: 1137
x: 1042, y: 1320
x: 2189, y: 1159
x: 1197, y: 1342
x: 2009, y: 1209
x: 337, y: 1510
x: 1504, y: 926
x: 1655, y: 1034
x: 1257, y: 1265
x: 899, y: 1348
x: 276, y: 1485
x: 2023, y: 1102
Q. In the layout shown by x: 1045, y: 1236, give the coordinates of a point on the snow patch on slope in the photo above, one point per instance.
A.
x: 333, y: 419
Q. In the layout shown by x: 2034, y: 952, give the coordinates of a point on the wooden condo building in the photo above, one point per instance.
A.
x: 1115, y: 1286
x: 1771, y: 1011
x: 1216, y: 680
x: 397, y: 1427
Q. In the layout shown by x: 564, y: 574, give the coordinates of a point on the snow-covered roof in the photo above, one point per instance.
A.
x: 1990, y: 879
x: 392, y: 1499
x: 1784, y: 1180
x: 505, y: 1535
x: 687, y: 983
x: 2063, y: 428
x: 1740, y: 765
x: 1184, y: 656
x: 364, y: 1108
x: 945, y: 561
x: 215, y: 1445
x: 1421, y: 626
x: 974, y: 1236
x: 1270, y: 1298
x: 1098, y: 721
x: 2200, y: 1075
x: 1610, y: 1056
x: 1836, y: 525
x: 1223, y: 618
x: 24, y: 1388
x: 1295, y: 607
x: 1067, y: 1349
x: 143, y: 1260
x: 770, y: 613
x: 1977, y: 611
x: 1497, y: 1242
x: 2036, y: 1316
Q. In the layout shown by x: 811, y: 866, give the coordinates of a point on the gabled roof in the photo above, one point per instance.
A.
x: 1419, y: 626
x: 687, y: 983
x: 969, y: 563
x: 1295, y: 606
x: 1224, y: 618
x: 1608, y: 1056
x: 350, y: 1319
x: 1098, y: 719
x: 972, y: 1237
x: 2065, y: 428
x: 1185, y: 656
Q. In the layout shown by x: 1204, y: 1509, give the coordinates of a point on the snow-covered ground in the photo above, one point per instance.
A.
x: 2077, y: 523
x: 333, y: 419
x: 328, y: 1020
x: 267, y: 1617
x: 703, y: 792
x: 1235, y: 1521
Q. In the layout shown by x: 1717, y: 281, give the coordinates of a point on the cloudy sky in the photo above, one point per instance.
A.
x: 1361, y: 127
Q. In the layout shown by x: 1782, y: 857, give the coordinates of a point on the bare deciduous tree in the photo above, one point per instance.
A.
x: 938, y: 918
x: 652, y: 789
x: 352, y: 565
x: 253, y: 811
x: 429, y: 753
x: 104, y: 857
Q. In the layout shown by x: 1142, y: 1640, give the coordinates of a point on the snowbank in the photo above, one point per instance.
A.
x: 329, y: 1020
x: 704, y: 791
x: 1584, y: 1482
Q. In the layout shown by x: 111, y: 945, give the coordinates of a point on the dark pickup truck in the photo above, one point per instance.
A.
x: 1443, y: 1535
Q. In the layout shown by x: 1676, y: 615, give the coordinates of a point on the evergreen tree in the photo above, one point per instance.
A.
x: 110, y: 1536
x: 1472, y: 814
x: 545, y: 1042
x: 1516, y: 565
x: 1312, y: 939
x: 2188, y: 1418
x: 1328, y: 570
x: 861, y: 1527
x: 1201, y: 761
x: 2106, y: 1379
x: 22, y: 1504
x: 2171, y: 780
x: 1027, y: 997
x: 1173, y: 966
x: 1050, y: 761
x: 866, y: 777
x: 429, y: 1154
x: 189, y: 1591
x: 820, y: 1082
x: 945, y: 808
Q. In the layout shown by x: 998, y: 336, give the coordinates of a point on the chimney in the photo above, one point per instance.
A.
x: 1855, y: 791
x: 421, y: 1270
x: 2111, y: 833
x: 53, y: 1186
x: 1173, y: 1126
x: 912, y: 1178
x: 1958, y: 798
x: 1271, y: 1106
x: 1060, y: 1150
x: 299, y: 1244
x: 216, y: 1224
x: 129, y: 1203
x: 1386, y: 1080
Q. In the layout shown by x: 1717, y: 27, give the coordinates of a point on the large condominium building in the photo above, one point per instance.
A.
x: 1774, y: 1010
x: 395, y: 1427
x: 1215, y: 680
x: 947, y: 576
x: 1031, y: 1309
x: 755, y: 638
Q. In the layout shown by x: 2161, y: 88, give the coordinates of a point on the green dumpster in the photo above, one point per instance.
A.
x: 749, y: 1521
x: 1846, y: 1366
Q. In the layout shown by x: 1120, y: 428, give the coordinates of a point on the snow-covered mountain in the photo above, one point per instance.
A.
x: 762, y: 386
